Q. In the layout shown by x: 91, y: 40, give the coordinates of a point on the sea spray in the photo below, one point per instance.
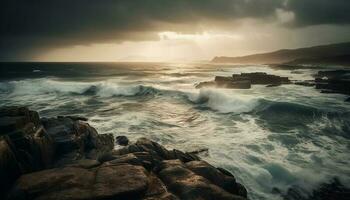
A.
x: 224, y: 101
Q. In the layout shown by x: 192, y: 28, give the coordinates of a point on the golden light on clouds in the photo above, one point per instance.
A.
x: 170, y: 46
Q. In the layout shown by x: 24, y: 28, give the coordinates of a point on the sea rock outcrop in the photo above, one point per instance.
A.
x: 336, y: 81
x: 25, y: 146
x: 245, y: 80
x: 122, y: 140
x: 65, y: 158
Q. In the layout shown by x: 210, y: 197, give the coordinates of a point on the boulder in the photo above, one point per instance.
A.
x: 156, y: 151
x: 331, y: 190
x: 188, y: 185
x: 215, y: 176
x: 25, y: 146
x: 9, y: 166
x: 122, y: 140
x: 105, y: 182
x: 77, y: 136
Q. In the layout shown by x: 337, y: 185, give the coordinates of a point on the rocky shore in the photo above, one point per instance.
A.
x: 65, y: 158
x: 335, y: 81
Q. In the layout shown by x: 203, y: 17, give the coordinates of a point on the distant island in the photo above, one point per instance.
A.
x: 325, y: 54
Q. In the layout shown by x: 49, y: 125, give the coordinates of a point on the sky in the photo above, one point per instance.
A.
x: 165, y: 30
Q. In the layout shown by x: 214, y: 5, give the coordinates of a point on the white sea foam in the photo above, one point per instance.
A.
x: 224, y: 101
x: 45, y: 86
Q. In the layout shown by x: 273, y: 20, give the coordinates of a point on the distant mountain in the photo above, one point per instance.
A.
x: 317, y: 54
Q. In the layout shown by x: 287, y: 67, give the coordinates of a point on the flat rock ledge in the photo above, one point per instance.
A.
x: 244, y: 81
x: 65, y: 158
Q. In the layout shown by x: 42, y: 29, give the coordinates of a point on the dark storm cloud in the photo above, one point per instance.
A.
x: 39, y: 24
x: 36, y: 24
x: 315, y: 12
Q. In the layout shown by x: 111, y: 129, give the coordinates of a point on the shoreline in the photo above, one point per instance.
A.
x: 65, y: 158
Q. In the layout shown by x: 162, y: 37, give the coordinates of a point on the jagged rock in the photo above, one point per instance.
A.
x: 187, y: 185
x: 155, y: 150
x: 215, y: 176
x: 9, y: 166
x: 85, y: 163
x: 77, y: 136
x: 105, y: 182
x: 74, y: 118
x: 308, y: 83
x: 24, y: 145
x: 332, y: 190
x: 12, y: 118
x: 261, y: 78
x: 122, y: 140
x: 87, y: 166
x: 336, y: 81
x: 200, y: 151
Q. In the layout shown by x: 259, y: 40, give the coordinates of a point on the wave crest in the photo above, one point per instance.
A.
x: 46, y: 86
x: 224, y: 102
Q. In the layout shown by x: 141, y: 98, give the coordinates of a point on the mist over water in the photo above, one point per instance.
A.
x: 281, y: 137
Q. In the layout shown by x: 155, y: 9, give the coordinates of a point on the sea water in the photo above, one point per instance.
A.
x: 268, y: 137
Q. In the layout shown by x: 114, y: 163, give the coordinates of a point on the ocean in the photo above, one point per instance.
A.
x: 270, y: 138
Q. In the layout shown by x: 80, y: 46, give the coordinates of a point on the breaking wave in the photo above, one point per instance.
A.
x: 46, y: 86
x: 223, y: 102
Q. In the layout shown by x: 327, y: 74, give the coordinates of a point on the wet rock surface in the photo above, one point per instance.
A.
x: 65, y: 158
x: 332, y: 190
x: 337, y: 81
x: 245, y: 81
x: 333, y: 81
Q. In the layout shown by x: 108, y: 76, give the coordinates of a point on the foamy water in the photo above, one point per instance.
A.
x: 281, y: 137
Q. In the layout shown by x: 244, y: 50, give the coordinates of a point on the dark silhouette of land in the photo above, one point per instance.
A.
x: 325, y: 54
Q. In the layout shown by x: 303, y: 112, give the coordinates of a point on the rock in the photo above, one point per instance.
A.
x: 226, y: 82
x: 308, y: 83
x: 127, y: 158
x: 187, y: 185
x: 9, y: 167
x: 84, y: 165
x: 157, y: 190
x: 273, y: 85
x: 261, y: 78
x: 77, y: 136
x: 245, y: 80
x: 336, y: 81
x: 200, y: 151
x: 156, y: 151
x: 25, y: 146
x: 326, y: 191
x: 74, y: 118
x: 105, y: 182
x: 218, y: 178
x: 347, y: 100
x: 122, y: 140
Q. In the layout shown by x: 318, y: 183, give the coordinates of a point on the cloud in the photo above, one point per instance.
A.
x: 316, y: 12
x: 31, y: 26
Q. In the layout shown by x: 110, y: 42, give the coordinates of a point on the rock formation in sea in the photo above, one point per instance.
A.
x: 332, y: 81
x: 245, y: 80
x: 65, y: 158
x: 336, y: 81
